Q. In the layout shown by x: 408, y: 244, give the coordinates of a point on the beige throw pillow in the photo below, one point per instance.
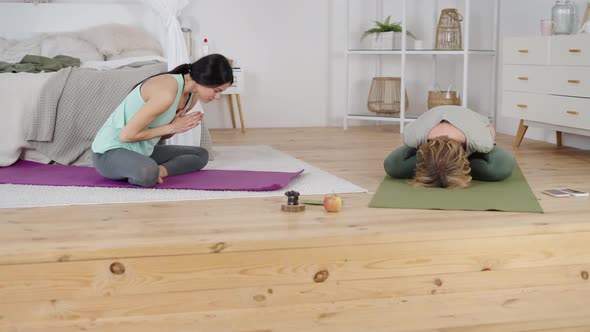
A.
x: 114, y: 41
x: 69, y: 44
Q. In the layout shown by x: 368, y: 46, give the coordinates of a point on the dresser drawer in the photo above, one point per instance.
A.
x: 525, y: 78
x: 567, y: 111
x: 556, y: 110
x: 523, y: 105
x: 526, y: 51
x: 570, y: 50
x: 569, y: 81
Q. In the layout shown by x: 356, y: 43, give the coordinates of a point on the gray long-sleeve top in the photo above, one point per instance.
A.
x: 474, y: 125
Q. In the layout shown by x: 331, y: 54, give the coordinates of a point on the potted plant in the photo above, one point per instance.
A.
x: 385, y: 33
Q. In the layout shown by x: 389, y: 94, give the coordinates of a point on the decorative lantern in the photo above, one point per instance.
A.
x: 448, y: 30
x: 385, y: 96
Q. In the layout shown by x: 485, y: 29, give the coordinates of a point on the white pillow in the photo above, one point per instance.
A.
x: 13, y: 50
x: 134, y: 54
x: 113, y: 64
x: 115, y: 39
x: 68, y: 44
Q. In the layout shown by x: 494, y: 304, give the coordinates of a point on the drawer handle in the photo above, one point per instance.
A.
x: 523, y: 78
x: 572, y: 112
x: 575, y: 50
x: 523, y: 51
x: 521, y: 106
x: 574, y: 81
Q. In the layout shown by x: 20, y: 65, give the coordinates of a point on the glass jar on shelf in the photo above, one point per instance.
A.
x: 563, y: 16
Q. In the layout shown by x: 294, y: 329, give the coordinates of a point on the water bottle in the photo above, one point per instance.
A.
x: 563, y: 15
x: 205, y: 48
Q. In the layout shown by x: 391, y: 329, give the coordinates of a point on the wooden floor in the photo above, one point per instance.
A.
x: 243, y: 265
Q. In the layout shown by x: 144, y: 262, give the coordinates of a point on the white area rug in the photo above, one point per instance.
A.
x: 251, y: 158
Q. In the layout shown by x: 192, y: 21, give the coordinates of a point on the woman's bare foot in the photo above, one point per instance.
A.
x: 163, y: 171
x: 163, y: 174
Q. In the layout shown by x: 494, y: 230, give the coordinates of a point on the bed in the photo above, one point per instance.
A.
x: 52, y: 110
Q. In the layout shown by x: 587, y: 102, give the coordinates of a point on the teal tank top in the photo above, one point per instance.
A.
x: 108, y: 136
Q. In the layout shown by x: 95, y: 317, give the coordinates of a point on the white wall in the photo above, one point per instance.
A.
x: 283, y: 48
x: 292, y: 53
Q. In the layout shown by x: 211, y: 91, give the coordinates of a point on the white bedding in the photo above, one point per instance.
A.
x: 19, y: 94
x: 89, y: 45
x: 113, y: 64
x: 13, y: 50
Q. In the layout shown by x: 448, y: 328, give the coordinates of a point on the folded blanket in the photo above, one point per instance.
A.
x: 42, y: 124
x: 38, y: 63
x: 87, y: 99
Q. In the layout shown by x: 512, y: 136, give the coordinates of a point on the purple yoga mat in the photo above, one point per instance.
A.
x: 28, y: 172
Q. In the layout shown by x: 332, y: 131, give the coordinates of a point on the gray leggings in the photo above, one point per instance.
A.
x: 123, y: 164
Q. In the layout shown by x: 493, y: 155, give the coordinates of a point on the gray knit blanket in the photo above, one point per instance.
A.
x: 74, y: 105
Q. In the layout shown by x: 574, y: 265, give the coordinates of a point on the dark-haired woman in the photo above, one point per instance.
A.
x: 125, y: 148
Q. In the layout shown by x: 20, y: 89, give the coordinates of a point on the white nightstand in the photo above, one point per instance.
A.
x: 234, y: 90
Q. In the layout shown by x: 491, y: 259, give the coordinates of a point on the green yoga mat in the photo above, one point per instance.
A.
x: 512, y: 194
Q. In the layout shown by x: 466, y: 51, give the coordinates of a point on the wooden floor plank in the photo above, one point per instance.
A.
x: 119, y: 307
x: 415, y: 313
x: 55, y: 245
x: 570, y: 324
x: 146, y: 275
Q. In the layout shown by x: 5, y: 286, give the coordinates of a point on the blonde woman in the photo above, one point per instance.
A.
x: 448, y: 146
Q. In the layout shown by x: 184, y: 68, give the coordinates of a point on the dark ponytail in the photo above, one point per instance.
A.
x: 211, y: 71
x: 180, y: 69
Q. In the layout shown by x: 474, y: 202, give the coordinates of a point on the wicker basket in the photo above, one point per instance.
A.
x: 385, y: 97
x: 442, y: 97
x: 448, y: 30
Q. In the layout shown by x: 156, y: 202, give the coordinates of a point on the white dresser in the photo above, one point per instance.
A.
x: 546, y: 83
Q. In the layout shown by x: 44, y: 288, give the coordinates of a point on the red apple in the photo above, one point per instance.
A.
x: 332, y: 203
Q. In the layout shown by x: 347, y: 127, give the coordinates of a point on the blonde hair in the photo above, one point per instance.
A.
x: 442, y: 162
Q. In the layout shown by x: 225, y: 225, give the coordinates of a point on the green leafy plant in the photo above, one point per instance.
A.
x: 386, y: 26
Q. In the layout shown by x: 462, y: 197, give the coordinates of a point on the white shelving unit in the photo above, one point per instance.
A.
x: 466, y: 53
